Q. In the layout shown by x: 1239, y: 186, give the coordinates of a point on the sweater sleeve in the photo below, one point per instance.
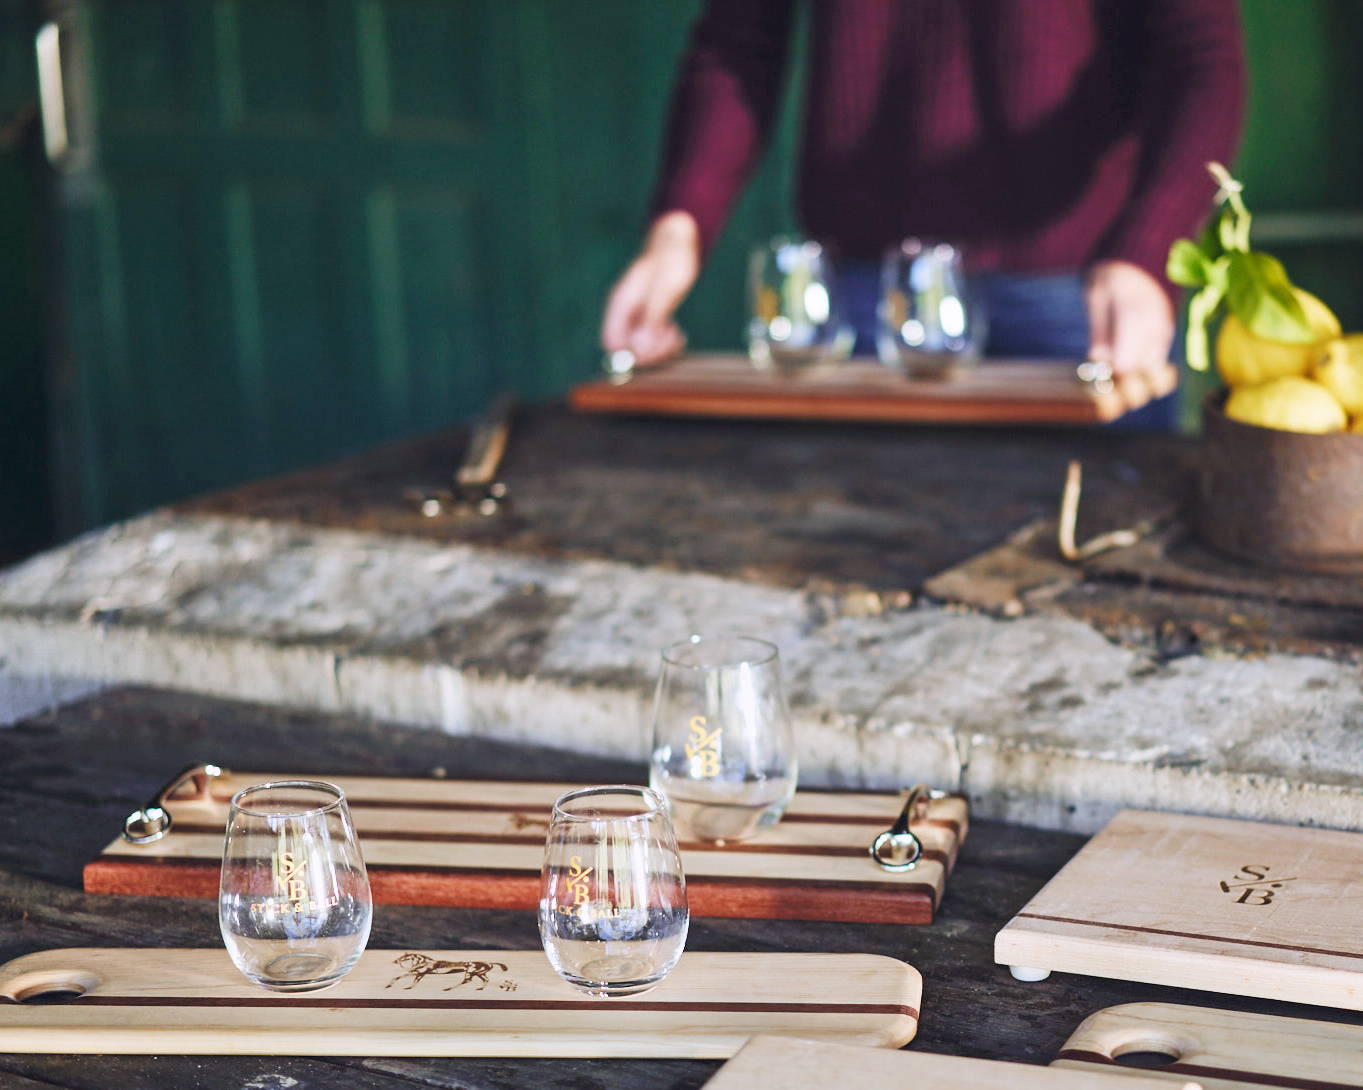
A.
x: 726, y: 94
x: 1192, y: 94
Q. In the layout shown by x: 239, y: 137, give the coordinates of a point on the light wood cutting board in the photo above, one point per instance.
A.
x: 511, y: 1004
x: 1192, y: 902
x: 1222, y: 1050
x: 480, y: 844
x: 775, y: 1063
x: 995, y: 392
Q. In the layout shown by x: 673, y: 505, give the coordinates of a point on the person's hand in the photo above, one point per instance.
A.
x: 640, y: 309
x: 1131, y: 321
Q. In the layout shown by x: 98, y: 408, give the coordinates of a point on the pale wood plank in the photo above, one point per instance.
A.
x: 195, y: 1002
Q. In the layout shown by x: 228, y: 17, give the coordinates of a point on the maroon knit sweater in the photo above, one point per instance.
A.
x: 1045, y: 134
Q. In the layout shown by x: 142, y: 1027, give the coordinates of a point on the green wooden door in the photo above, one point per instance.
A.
x: 294, y: 228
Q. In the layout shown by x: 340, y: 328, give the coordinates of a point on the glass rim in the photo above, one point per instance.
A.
x: 337, y: 800
x: 768, y: 652
x: 915, y: 245
x: 650, y: 799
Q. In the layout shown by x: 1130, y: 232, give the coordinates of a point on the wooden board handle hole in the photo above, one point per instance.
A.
x: 1147, y: 1053
x: 49, y: 986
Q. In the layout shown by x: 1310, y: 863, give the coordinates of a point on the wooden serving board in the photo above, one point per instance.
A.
x: 511, y: 1003
x: 993, y: 392
x: 1222, y: 1050
x: 1194, y: 902
x: 480, y: 844
x: 778, y: 1063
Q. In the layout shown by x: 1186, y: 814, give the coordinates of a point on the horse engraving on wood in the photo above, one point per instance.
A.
x: 417, y: 967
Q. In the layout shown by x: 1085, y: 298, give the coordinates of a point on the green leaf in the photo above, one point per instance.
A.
x: 1187, y: 265
x: 1209, y: 242
x: 1261, y: 296
x: 1202, y: 309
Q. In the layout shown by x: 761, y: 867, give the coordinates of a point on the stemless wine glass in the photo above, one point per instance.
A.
x: 794, y: 317
x: 294, y: 904
x: 928, y: 324
x: 613, y: 914
x: 723, y: 752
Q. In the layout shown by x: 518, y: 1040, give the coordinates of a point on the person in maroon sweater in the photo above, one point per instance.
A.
x: 1062, y: 142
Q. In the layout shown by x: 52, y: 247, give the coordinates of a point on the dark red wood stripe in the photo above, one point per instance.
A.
x: 405, y: 836
x: 492, y: 1004
x: 1254, y: 1078
x: 1193, y: 935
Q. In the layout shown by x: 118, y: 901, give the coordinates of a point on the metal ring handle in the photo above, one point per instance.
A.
x: 900, y: 838
x: 154, y: 820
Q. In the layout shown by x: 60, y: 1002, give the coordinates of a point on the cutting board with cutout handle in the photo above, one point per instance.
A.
x: 1221, y: 1050
x: 774, y: 1063
x: 447, y: 1003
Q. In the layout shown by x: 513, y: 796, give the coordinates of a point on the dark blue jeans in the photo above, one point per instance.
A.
x: 1030, y: 316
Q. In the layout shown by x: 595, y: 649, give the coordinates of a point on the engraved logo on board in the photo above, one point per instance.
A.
x: 417, y: 967
x: 525, y: 821
x: 702, y: 749
x: 1254, y: 884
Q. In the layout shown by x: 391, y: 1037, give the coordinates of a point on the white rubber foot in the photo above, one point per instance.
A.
x: 1026, y: 975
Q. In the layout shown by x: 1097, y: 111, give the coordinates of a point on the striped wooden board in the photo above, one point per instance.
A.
x: 779, y: 1063
x: 480, y: 844
x: 195, y: 1002
x: 1194, y: 902
x: 994, y: 392
x: 1222, y: 1050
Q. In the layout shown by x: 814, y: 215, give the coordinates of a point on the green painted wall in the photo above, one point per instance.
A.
x: 307, y: 226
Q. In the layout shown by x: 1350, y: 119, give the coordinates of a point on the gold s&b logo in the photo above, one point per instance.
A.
x: 702, y: 749
x: 575, y: 883
x: 290, y: 889
x: 1252, y: 885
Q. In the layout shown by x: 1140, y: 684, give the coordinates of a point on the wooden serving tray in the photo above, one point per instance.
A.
x: 1222, y: 1050
x: 993, y: 392
x: 480, y: 844
x: 512, y: 1004
x: 1193, y: 902
x: 776, y: 1063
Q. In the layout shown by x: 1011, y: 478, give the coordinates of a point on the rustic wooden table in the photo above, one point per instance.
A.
x: 69, y: 777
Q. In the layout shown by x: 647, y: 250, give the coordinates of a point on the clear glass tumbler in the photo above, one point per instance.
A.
x: 723, y: 751
x: 294, y: 902
x: 928, y: 324
x: 794, y: 316
x: 613, y: 915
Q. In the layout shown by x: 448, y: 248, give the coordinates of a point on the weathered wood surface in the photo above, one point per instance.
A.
x: 819, y: 505
x: 67, y: 778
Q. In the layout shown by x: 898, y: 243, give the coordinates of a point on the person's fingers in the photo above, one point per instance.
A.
x: 1098, y: 301
x: 670, y: 282
x: 654, y: 343
x: 624, y: 309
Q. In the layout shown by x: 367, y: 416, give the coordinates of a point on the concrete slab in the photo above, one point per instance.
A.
x: 1040, y: 719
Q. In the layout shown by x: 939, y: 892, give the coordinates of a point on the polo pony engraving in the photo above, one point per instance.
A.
x: 417, y: 967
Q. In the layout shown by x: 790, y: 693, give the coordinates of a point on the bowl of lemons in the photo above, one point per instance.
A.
x: 1280, y: 481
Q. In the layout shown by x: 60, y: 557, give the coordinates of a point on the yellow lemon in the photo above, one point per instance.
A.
x: 1246, y: 360
x: 1340, y: 370
x: 1357, y: 426
x: 1291, y: 403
